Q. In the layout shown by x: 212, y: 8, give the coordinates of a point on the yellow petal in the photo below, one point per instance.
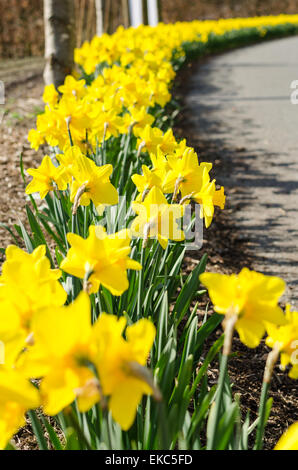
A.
x: 124, y: 402
x: 141, y: 336
x: 289, y: 440
x: 250, y: 332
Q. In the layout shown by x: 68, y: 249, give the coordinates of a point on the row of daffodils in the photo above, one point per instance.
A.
x: 100, y: 341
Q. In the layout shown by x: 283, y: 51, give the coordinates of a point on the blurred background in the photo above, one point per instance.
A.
x: 22, y: 31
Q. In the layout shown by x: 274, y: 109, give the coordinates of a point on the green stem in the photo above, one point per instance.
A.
x: 103, y: 145
x: 63, y: 221
x: 210, y: 356
x: 165, y: 439
x: 86, y: 221
x: 38, y: 431
x: 74, y: 223
x: 81, y: 435
x: 262, y: 416
x: 229, y: 325
x: 217, y: 405
x: 124, y: 161
x: 270, y: 363
x: 140, y: 286
x: 108, y: 431
x: 68, y: 131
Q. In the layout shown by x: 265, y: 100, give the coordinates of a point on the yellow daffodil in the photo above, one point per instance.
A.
x: 156, y: 218
x: 160, y: 165
x: 138, y: 76
x: 36, y: 139
x: 92, y: 182
x: 186, y: 175
x: 219, y: 198
x: 68, y: 159
x: 27, y: 285
x: 17, y: 396
x: 62, y: 354
x: 146, y: 181
x: 252, y: 296
x: 208, y: 197
x: 50, y: 95
x: 73, y: 88
x: 137, y: 117
x: 105, y: 123
x: 192, y: 180
x: 46, y: 177
x: 285, y: 338
x: 289, y: 440
x: 90, y: 363
x: 121, y: 365
x: 102, y: 259
x: 152, y: 138
x: 72, y: 116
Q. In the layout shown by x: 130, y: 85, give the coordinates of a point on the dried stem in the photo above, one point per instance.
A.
x: 176, y: 189
x: 77, y: 198
x: 229, y: 326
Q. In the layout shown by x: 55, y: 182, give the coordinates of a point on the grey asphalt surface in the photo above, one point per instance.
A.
x: 241, y: 100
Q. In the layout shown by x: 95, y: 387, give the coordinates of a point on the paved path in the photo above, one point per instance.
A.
x: 241, y: 101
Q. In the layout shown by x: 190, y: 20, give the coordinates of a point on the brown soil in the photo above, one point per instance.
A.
x: 23, y: 91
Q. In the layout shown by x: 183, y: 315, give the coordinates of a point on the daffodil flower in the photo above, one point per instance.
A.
x: 285, y: 339
x: 157, y: 218
x: 90, y: 363
x: 46, y: 178
x: 137, y: 118
x: 121, y: 365
x: 152, y: 138
x: 27, y: 285
x: 93, y: 182
x: 73, y: 88
x: 17, y: 395
x: 103, y: 259
x: 185, y: 174
x: 62, y: 354
x: 50, y: 95
x: 146, y: 181
x: 252, y: 296
x: 289, y: 440
x: 208, y: 197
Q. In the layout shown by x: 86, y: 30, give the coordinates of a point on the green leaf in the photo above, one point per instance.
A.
x: 38, y: 431
x: 39, y: 238
x: 162, y: 328
x: 188, y: 291
x: 29, y: 243
x: 72, y: 441
x: 52, y: 434
x: 11, y: 233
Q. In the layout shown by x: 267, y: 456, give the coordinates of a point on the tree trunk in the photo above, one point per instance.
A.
x: 99, y: 17
x: 136, y: 12
x: 59, y: 21
x: 152, y: 6
x: 125, y: 14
